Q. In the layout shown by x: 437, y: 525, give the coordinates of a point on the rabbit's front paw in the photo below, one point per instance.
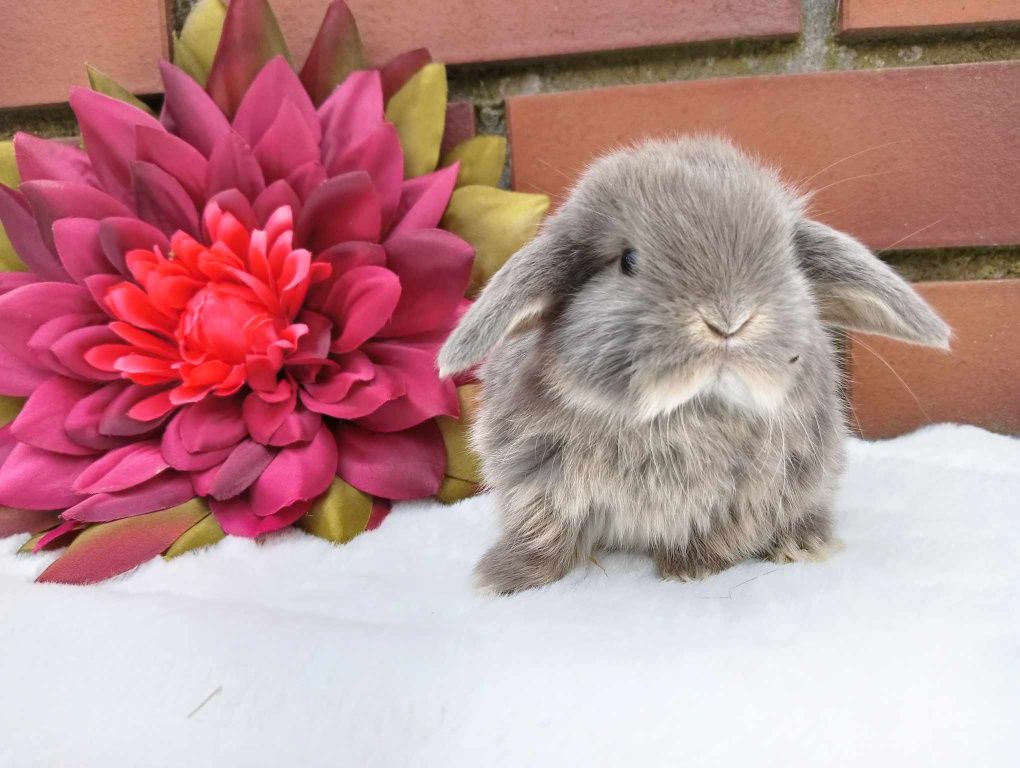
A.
x: 512, y: 566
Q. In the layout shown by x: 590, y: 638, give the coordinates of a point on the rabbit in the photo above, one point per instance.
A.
x: 658, y: 372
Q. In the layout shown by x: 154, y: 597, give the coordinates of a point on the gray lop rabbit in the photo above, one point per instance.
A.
x: 658, y: 376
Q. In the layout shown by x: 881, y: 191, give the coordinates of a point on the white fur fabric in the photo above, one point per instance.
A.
x: 901, y: 650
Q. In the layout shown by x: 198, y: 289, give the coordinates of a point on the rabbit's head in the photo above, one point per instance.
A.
x: 682, y: 268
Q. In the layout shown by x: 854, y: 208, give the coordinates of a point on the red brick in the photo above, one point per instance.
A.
x: 902, y: 158
x: 459, y: 31
x: 885, y: 17
x: 46, y: 44
x: 978, y: 382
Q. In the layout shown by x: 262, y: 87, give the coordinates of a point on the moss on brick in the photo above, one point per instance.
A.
x: 956, y: 264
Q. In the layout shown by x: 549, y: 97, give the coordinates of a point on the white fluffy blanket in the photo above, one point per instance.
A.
x: 901, y: 650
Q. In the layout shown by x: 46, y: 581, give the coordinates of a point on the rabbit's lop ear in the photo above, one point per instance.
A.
x: 518, y: 292
x: 857, y: 291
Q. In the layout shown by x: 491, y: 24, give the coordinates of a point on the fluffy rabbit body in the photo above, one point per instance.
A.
x: 658, y: 375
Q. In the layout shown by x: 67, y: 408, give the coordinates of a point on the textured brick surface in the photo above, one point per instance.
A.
x: 903, y: 158
x: 460, y: 31
x: 44, y: 45
x: 896, y: 388
x: 874, y: 17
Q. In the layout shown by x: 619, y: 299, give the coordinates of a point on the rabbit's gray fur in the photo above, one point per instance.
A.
x: 614, y: 416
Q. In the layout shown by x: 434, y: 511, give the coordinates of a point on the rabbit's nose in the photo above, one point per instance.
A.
x: 725, y: 328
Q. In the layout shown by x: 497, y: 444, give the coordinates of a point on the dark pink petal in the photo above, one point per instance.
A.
x: 7, y: 443
x: 380, y: 511
x: 460, y: 125
x: 108, y: 129
x: 82, y: 421
x: 344, y: 208
x: 333, y: 385
x: 401, y: 68
x: 212, y: 424
x: 31, y: 478
x: 23, y: 231
x: 300, y: 426
x: 11, y: 280
x: 243, y: 467
x: 22, y: 312
x: 41, y: 422
x: 276, y: 195
x: 69, y: 351
x: 423, y: 200
x: 434, y: 267
x: 275, y: 86
x: 52, y: 200
x: 14, y: 521
x: 49, y: 540
x: 51, y: 159
x: 188, y: 110
x: 119, y: 235
x: 180, y: 458
x: 177, y: 157
x: 153, y: 407
x: 287, y: 144
x: 427, y: 395
x: 351, y: 112
x: 394, y: 465
x: 233, y: 165
x: 117, y: 419
x: 307, y: 178
x: 162, y: 492
x: 250, y: 38
x: 237, y: 518
x: 335, y: 52
x: 42, y: 341
x: 379, y: 154
x: 162, y: 201
x: 363, y: 398
x: 232, y: 201
x: 122, y: 468
x: 360, y: 302
x: 263, y: 418
x: 297, y: 473
x: 79, y: 249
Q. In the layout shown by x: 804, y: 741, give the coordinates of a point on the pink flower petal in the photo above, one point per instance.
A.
x: 161, y: 200
x: 189, y: 111
x: 162, y: 492
x: 234, y: 202
x: 434, y: 268
x: 297, y: 473
x: 331, y: 47
x: 32, y: 478
x: 177, y: 157
x: 14, y: 521
x: 69, y: 351
x: 122, y: 468
x: 351, y: 112
x: 263, y: 418
x: 108, y: 129
x: 51, y: 159
x: 360, y: 302
x: 22, y: 230
x: 49, y: 333
x: 212, y: 424
x: 362, y: 399
x: 117, y: 419
x: 300, y: 426
x: 380, y: 155
x: 82, y: 422
x: 233, y: 165
x: 380, y: 511
x: 275, y: 196
x: 243, y: 467
x: 275, y: 86
x: 22, y: 312
x: 423, y: 200
x: 119, y: 235
x: 179, y: 457
x: 306, y: 179
x: 394, y: 465
x: 52, y: 200
x: 237, y: 518
x: 343, y: 208
x: 41, y: 421
x: 397, y: 71
x: 79, y: 249
x: 287, y: 144
x: 49, y: 539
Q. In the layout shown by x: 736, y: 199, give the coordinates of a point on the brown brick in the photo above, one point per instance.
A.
x: 886, y: 17
x: 459, y: 31
x: 895, y: 387
x: 46, y: 43
x: 902, y: 158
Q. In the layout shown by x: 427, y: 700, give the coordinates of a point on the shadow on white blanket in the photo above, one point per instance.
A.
x: 901, y: 650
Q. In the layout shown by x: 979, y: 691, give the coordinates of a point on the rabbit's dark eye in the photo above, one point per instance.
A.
x: 628, y: 261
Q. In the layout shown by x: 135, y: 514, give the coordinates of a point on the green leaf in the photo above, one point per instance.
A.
x: 418, y: 111
x: 9, y: 260
x: 481, y: 160
x: 195, y: 47
x: 10, y: 407
x: 204, y: 533
x: 338, y: 515
x: 103, y: 83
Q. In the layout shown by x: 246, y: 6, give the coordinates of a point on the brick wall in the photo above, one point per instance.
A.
x: 904, y: 115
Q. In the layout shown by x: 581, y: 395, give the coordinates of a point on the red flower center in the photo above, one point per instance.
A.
x: 208, y: 319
